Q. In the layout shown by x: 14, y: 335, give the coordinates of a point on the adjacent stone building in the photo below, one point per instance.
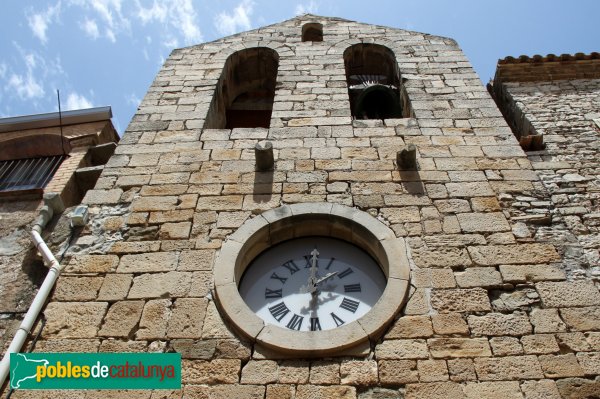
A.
x: 502, y: 244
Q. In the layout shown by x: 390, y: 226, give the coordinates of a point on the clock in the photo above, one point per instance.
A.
x: 311, y: 280
x: 312, y: 284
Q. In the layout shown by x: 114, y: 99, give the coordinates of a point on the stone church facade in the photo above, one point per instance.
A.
x: 502, y: 245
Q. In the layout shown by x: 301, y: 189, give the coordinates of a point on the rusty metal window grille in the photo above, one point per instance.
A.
x: 29, y: 173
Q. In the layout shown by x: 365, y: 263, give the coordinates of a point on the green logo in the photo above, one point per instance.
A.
x: 95, y: 370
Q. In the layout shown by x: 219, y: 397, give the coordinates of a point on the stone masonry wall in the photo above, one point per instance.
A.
x: 490, y: 313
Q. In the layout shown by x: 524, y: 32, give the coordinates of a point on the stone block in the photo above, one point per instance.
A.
x: 496, y: 324
x: 260, y: 372
x: 582, y: 319
x: 402, y: 349
x: 92, y: 264
x: 122, y: 318
x: 73, y: 319
x: 434, y: 390
x: 461, y: 369
x: 458, y: 347
x: 533, y: 273
x: 578, y: 388
x: 217, y: 371
x: 513, y: 254
x: 148, y: 262
x: 153, y: 323
x: 546, y: 321
x: 294, y: 372
x: 449, y: 324
x: 589, y: 362
x: 396, y: 372
x: 187, y: 318
x: 359, y: 372
x: 160, y: 285
x: 102, y: 197
x: 460, y: 300
x: 77, y: 288
x: 568, y: 294
x: 326, y: 372
x: 280, y: 391
x: 411, y: 327
x: 432, y: 370
x: 441, y: 257
x: 201, y: 259
x: 539, y: 344
x: 115, y: 287
x: 508, y: 368
x: 542, y: 389
x: 483, y: 222
x: 333, y: 391
x: 175, y: 231
x: 560, y: 366
x: 504, y: 389
x: 478, y: 277
x: 505, y: 346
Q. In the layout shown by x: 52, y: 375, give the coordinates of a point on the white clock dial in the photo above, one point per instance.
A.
x: 312, y: 284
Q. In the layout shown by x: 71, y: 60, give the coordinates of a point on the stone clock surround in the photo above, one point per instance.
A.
x: 312, y: 219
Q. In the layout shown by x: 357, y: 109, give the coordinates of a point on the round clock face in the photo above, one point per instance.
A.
x: 312, y: 284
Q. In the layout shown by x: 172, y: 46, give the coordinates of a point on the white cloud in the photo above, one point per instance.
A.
x: 110, y: 18
x: 26, y: 87
x: 310, y: 8
x: 90, y: 27
x: 39, y: 22
x: 133, y: 99
x: 235, y: 21
x: 77, y: 101
x: 3, y: 69
x: 173, y: 14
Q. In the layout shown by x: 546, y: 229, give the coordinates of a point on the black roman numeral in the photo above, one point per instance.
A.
x: 345, y: 272
x: 279, y: 311
x: 314, y: 324
x: 352, y: 288
x: 291, y: 266
x: 330, y: 263
x: 276, y: 277
x: 308, y: 259
x: 269, y: 293
x: 295, y: 323
x: 349, y: 304
x: 338, y: 321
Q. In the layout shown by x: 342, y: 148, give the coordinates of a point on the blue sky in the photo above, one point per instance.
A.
x: 107, y: 52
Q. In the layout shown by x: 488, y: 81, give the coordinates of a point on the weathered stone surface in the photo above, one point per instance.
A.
x: 77, y: 288
x: 148, y: 262
x: 359, y: 372
x: 500, y: 324
x: 546, y: 321
x: 539, y: 344
x: 449, y: 323
x: 260, y: 372
x: 582, y: 319
x: 560, y: 366
x: 458, y: 347
x: 460, y: 300
x: 434, y: 390
x: 218, y: 371
x: 523, y: 273
x: 322, y: 392
x: 187, y: 318
x: 441, y: 257
x: 542, y: 389
x: 121, y: 319
x: 379, y: 393
x: 505, y: 389
x: 201, y: 259
x: 280, y: 391
x: 508, y: 368
x: 324, y: 372
x: 432, y: 370
x: 159, y: 285
x: 513, y: 254
x: 483, y: 222
x: 589, y: 362
x: 478, y: 277
x: 402, y: 349
x: 505, y: 346
x: 115, y: 287
x: 578, y: 388
x: 411, y: 327
x: 153, y: 323
x: 73, y: 319
x: 92, y: 264
x: 102, y: 197
x: 398, y: 371
x: 461, y: 369
x: 568, y: 294
x: 293, y: 372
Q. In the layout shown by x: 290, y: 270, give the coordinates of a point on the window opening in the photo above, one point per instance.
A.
x: 28, y: 173
x: 374, y: 85
x: 312, y: 32
x: 245, y: 91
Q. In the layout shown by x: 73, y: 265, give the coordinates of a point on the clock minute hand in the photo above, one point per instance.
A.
x: 327, y: 277
x: 312, y: 280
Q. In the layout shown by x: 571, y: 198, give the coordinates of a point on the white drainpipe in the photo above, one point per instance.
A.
x: 32, y: 314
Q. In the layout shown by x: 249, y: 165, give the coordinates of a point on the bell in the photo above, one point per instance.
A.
x: 378, y: 101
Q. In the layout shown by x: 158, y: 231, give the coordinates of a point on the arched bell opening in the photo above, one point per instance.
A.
x: 374, y: 84
x: 245, y: 91
x: 312, y: 32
